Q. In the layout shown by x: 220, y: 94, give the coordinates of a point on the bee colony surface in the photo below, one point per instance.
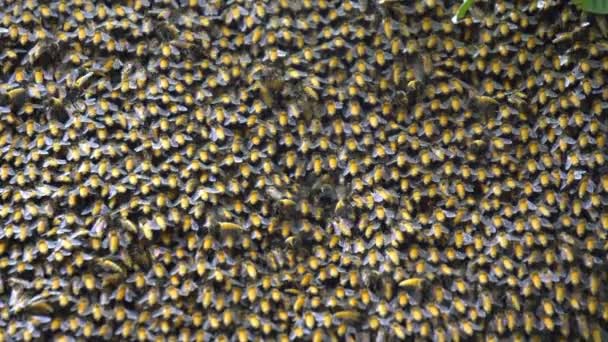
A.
x: 305, y: 170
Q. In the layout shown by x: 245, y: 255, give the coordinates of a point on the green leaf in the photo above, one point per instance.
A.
x: 593, y: 6
x: 463, y: 9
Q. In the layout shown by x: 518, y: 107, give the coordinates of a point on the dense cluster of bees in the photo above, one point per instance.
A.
x: 302, y: 170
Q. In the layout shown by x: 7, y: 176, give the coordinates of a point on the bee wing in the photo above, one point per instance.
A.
x: 99, y: 227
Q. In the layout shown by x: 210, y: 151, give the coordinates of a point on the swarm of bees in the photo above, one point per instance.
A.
x: 327, y: 170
